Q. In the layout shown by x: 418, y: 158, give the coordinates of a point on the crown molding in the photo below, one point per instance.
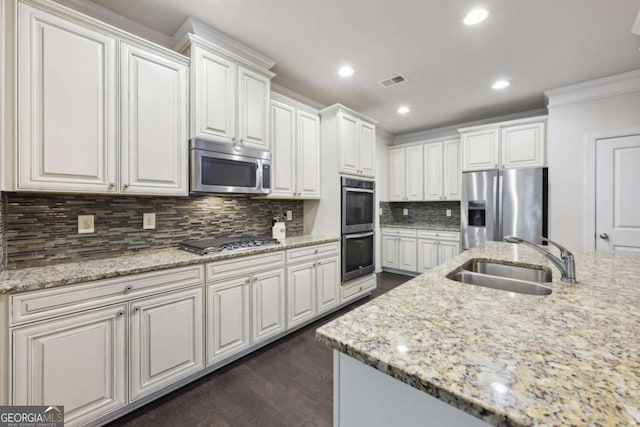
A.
x: 452, y: 130
x: 636, y: 25
x: 195, y: 26
x: 296, y: 96
x: 384, y: 134
x: 339, y: 107
x: 101, y: 13
x: 618, y: 84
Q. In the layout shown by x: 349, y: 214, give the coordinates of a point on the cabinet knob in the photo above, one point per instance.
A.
x: 255, y: 280
x: 136, y: 309
x: 120, y: 313
x: 112, y: 186
x: 124, y: 187
x: 233, y: 139
x: 127, y: 289
x: 316, y: 251
x: 247, y: 282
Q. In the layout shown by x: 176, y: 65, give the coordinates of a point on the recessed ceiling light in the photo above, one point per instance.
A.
x: 403, y: 110
x: 476, y: 16
x: 500, y: 84
x: 345, y: 71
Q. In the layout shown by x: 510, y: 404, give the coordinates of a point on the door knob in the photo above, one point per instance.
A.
x: 604, y: 236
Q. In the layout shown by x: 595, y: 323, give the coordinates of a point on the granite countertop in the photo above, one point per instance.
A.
x: 420, y: 226
x: 569, y: 358
x: 29, y: 279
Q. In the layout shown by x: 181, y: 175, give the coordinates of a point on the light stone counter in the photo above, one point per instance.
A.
x: 28, y: 279
x: 569, y: 358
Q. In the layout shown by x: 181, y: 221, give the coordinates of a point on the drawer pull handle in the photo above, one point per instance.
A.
x: 127, y: 289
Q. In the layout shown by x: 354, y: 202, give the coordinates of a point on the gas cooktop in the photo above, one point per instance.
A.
x: 211, y: 246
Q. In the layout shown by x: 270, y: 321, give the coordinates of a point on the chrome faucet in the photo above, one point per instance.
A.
x: 566, y: 265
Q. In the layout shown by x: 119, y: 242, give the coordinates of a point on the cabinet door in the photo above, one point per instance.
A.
x: 153, y: 123
x: 67, y: 120
x: 414, y: 173
x: 308, y: 155
x: 367, y: 149
x: 283, y: 149
x: 268, y: 291
x: 348, y: 139
x: 77, y: 361
x: 427, y: 254
x: 433, y: 171
x: 407, y: 254
x: 227, y: 318
x: 301, y: 293
x: 328, y: 279
x: 390, y: 251
x: 166, y: 340
x: 213, y: 93
x: 452, y: 174
x: 253, y: 108
x: 397, y: 174
x: 480, y: 150
x: 447, y: 250
x: 523, y: 145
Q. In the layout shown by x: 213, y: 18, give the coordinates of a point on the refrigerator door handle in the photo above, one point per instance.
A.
x: 496, y: 206
x: 499, y: 230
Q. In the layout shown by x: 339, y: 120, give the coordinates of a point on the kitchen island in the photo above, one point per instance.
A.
x: 568, y: 358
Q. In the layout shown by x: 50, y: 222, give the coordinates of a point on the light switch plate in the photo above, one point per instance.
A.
x: 448, y: 213
x: 85, y: 224
x: 289, y: 215
x: 148, y: 221
x: 405, y: 211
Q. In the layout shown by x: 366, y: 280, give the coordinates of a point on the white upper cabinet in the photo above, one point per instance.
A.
x: 348, y: 137
x: 452, y: 174
x: 397, y: 187
x: 366, y: 149
x: 433, y: 163
x: 295, y: 150
x: 153, y: 122
x: 67, y: 129
x: 99, y: 111
x: 213, y: 115
x: 253, y: 108
x: 405, y: 173
x: 512, y: 144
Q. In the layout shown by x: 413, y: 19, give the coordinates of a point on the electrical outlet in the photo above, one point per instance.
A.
x: 405, y: 211
x: 85, y: 224
x: 289, y: 215
x: 448, y: 212
x: 148, y: 221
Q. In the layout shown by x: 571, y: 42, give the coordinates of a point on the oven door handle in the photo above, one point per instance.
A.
x: 358, y: 236
x: 358, y: 190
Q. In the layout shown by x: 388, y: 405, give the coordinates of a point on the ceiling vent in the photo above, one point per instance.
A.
x: 392, y: 81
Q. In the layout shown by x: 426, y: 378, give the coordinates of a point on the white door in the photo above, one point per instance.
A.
x: 390, y: 251
x: 523, y: 145
x: 153, y: 123
x: 301, y: 293
x: 227, y: 318
x: 452, y: 175
x: 396, y: 174
x: 328, y: 283
x: 407, y: 254
x: 268, y: 306
x: 433, y: 171
x: 283, y: 149
x: 253, y: 108
x: 67, y: 120
x: 414, y: 173
x: 617, y: 201
x: 427, y: 254
x: 367, y: 149
x: 214, y: 96
x: 348, y: 140
x: 308, y: 155
x: 77, y: 361
x: 480, y: 149
x: 447, y: 250
x: 166, y: 342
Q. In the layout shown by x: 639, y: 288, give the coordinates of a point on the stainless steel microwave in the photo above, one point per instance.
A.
x: 226, y: 168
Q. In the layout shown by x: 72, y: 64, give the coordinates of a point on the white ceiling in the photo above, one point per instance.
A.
x: 538, y: 45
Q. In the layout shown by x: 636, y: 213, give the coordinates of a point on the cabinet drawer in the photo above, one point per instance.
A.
x: 357, y: 288
x: 42, y: 304
x: 439, y: 235
x: 244, y: 265
x: 312, y: 252
x: 402, y: 232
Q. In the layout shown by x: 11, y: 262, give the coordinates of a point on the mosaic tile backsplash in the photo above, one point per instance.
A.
x: 422, y: 213
x: 43, y: 230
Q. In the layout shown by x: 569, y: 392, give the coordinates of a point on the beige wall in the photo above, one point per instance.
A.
x: 570, y: 129
x: 383, y: 140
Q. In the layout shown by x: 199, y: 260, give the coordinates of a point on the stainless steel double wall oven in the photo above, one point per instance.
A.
x: 358, y: 201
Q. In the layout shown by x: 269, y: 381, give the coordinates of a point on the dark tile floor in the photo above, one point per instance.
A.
x: 287, y: 383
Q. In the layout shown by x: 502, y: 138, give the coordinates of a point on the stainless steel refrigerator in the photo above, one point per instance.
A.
x: 498, y: 203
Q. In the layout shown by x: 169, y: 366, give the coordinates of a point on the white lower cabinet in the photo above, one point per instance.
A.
x: 399, y: 249
x: 166, y: 340
x: 427, y: 254
x: 268, y: 310
x: 227, y: 318
x: 78, y: 361
x: 447, y: 250
x: 417, y: 250
x: 407, y: 253
x: 390, y: 251
x: 301, y: 286
x: 328, y: 277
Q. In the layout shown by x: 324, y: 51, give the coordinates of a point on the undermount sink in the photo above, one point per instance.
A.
x: 506, y: 277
